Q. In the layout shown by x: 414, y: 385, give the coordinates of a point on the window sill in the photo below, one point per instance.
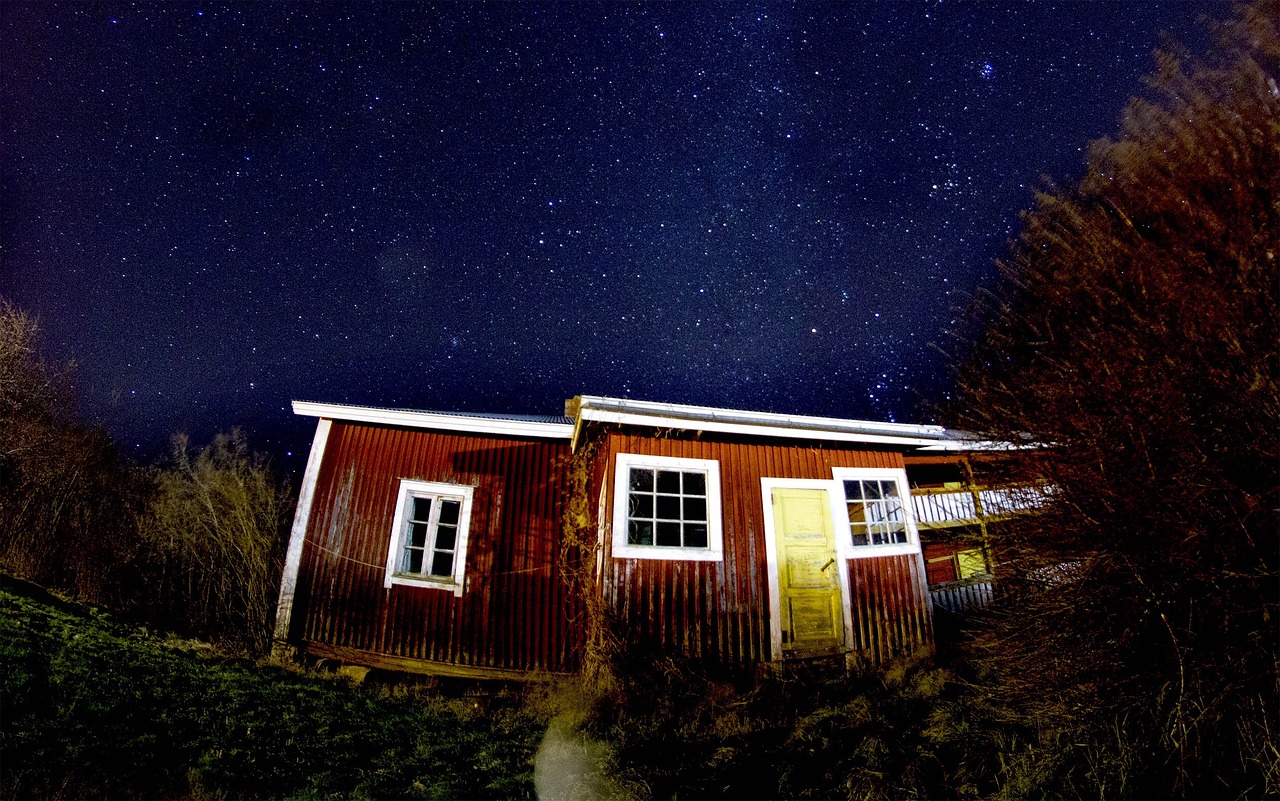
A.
x: 872, y: 551
x: 667, y: 553
x: 442, y: 583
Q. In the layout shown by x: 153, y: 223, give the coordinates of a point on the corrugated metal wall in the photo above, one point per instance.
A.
x: 718, y: 611
x: 890, y: 605
x: 515, y: 613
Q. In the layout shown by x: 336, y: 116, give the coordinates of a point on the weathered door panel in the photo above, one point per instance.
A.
x: 808, y: 573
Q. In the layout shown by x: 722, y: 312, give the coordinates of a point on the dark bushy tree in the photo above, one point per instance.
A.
x: 1135, y: 338
x: 195, y: 545
x: 66, y: 499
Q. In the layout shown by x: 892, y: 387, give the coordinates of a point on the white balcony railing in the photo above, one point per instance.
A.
x: 942, y: 508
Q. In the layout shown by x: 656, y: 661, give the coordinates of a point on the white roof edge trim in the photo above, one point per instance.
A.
x: 702, y: 416
x: 753, y: 429
x: 435, y: 420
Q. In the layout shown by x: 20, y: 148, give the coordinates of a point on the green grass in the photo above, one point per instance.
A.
x: 93, y: 708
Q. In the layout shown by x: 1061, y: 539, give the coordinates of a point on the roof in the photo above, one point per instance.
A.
x: 740, y: 421
x: 624, y: 411
x: 512, y: 425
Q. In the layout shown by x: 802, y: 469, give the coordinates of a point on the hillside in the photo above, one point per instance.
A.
x: 94, y: 708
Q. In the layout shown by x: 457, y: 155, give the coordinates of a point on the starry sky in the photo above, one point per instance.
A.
x: 214, y: 209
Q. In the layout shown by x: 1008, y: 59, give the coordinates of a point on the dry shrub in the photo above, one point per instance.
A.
x: 1135, y: 340
x: 212, y: 538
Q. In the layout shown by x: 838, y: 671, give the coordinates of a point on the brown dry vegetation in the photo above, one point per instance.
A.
x: 1135, y: 338
x: 194, y: 544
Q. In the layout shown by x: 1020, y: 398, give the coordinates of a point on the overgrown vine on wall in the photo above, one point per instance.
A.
x: 579, y: 554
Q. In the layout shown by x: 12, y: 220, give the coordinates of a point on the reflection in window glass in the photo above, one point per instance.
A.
x: 876, y: 515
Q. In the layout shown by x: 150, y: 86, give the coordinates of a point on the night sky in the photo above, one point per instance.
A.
x: 214, y: 209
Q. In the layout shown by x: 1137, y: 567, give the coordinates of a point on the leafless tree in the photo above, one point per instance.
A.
x: 1134, y: 341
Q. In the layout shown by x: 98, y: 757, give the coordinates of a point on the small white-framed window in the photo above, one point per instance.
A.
x: 877, y: 507
x: 428, y: 545
x: 666, y: 507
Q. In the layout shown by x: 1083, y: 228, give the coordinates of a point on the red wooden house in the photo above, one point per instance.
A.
x: 463, y: 544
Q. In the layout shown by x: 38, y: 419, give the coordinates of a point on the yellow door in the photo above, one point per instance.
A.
x: 808, y: 573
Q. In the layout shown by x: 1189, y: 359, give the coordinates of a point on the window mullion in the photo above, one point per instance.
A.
x: 433, y: 530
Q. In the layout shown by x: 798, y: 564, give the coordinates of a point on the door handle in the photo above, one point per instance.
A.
x: 829, y: 563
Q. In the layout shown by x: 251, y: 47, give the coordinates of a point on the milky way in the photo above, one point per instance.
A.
x: 214, y: 209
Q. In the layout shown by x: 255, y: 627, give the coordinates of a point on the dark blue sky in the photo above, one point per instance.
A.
x: 214, y: 209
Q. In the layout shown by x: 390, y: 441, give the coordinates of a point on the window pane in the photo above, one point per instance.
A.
x: 669, y: 481
x: 446, y: 537
x: 889, y: 489
x: 413, y: 561
x: 859, y: 537
x: 695, y: 509
x: 695, y: 535
x: 870, y: 489
x: 668, y: 507
x: 449, y: 512
x: 421, y: 509
x: 417, y: 535
x: 695, y: 483
x: 857, y: 513
x: 642, y: 479
x: 641, y: 505
x: 669, y: 534
x: 442, y: 564
x: 640, y: 532
x: 893, y: 512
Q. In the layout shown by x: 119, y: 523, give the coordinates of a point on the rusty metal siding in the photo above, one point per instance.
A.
x: 890, y: 606
x: 513, y: 613
x: 719, y: 611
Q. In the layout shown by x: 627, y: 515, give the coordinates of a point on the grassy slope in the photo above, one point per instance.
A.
x: 93, y: 708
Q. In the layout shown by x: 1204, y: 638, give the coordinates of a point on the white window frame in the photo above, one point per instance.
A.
x: 409, y: 489
x: 714, y: 552
x: 846, y: 547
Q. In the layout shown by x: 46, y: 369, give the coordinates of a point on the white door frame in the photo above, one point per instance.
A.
x: 835, y: 498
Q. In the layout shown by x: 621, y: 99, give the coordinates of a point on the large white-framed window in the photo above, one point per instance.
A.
x: 667, y: 507
x: 429, y: 537
x: 877, y: 512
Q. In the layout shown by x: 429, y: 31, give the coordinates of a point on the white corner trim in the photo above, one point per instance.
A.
x: 435, y: 420
x: 408, y: 489
x: 298, y: 534
x: 714, y: 552
x: 845, y: 533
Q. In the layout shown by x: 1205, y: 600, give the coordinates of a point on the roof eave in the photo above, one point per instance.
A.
x: 758, y: 429
x: 434, y: 420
